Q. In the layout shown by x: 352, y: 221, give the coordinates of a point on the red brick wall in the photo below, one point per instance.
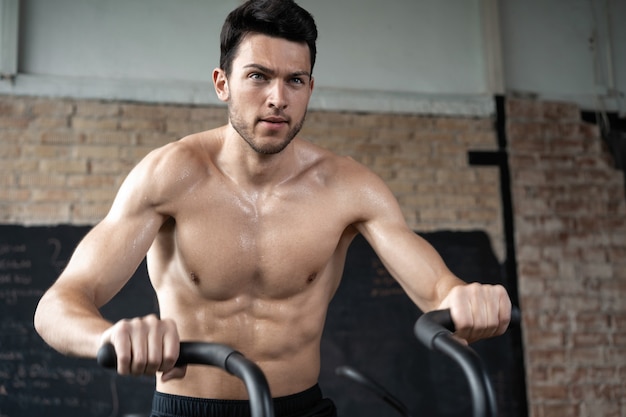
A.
x: 570, y: 218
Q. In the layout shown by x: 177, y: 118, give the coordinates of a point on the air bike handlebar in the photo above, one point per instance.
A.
x: 221, y: 356
x: 434, y: 329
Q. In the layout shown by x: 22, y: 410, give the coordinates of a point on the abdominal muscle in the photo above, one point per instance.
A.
x: 282, y: 336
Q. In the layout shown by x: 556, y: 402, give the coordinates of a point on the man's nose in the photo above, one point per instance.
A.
x: 277, y: 95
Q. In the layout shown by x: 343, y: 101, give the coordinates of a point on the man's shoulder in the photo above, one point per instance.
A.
x: 190, y: 151
x: 174, y: 167
x: 322, y: 154
x: 341, y: 170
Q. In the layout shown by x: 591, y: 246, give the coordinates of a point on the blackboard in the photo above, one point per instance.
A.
x: 34, y: 379
x: 369, y: 326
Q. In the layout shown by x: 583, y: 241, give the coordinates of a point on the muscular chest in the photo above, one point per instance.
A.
x: 275, y: 245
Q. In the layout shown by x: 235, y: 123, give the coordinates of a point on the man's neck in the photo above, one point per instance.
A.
x: 247, y: 167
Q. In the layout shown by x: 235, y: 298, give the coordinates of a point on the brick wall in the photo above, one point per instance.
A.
x: 570, y: 216
x: 61, y: 161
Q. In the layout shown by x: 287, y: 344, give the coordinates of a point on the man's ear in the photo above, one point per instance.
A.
x: 220, y: 82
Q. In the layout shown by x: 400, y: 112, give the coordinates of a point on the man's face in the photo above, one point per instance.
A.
x: 267, y: 91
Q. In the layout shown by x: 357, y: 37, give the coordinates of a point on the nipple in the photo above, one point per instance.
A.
x: 195, y: 279
x: 311, y: 278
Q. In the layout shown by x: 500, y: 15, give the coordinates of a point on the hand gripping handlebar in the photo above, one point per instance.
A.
x: 434, y: 330
x: 221, y: 356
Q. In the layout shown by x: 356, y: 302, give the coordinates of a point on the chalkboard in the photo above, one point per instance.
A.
x: 34, y: 379
x: 369, y: 326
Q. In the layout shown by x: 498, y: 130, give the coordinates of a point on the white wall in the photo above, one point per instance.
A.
x: 394, y: 55
x: 136, y: 39
x: 426, y: 46
x: 363, y: 44
x: 548, y: 49
x: 402, y: 55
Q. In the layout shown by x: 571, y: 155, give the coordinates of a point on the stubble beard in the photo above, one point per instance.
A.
x: 246, y: 132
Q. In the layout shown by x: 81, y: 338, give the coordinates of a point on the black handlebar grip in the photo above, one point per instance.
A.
x: 222, y: 356
x: 516, y: 316
x: 107, y: 357
x: 430, y: 325
x: 190, y: 352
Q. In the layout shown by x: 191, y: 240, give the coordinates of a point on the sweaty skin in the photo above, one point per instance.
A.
x: 246, y: 229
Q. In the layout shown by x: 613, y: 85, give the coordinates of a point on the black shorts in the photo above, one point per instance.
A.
x: 307, y: 403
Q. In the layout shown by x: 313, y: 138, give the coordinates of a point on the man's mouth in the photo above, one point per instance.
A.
x: 274, y: 123
x: 274, y: 119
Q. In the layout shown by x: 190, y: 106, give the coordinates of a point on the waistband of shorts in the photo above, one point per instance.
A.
x: 178, y: 405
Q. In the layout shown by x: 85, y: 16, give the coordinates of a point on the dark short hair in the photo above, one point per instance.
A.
x: 276, y: 18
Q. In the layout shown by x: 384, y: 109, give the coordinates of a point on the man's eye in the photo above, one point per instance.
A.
x: 257, y: 76
x: 297, y: 80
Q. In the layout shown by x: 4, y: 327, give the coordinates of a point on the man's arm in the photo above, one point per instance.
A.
x: 68, y: 317
x: 478, y: 311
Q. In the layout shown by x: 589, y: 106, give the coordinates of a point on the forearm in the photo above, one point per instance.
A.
x: 70, y: 323
x: 419, y: 269
x: 439, y: 286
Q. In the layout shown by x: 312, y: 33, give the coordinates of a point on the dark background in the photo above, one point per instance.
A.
x: 369, y: 326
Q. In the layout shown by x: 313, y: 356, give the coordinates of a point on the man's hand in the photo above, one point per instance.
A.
x: 478, y: 311
x: 144, y: 346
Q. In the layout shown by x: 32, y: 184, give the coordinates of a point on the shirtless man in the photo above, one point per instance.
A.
x: 246, y: 229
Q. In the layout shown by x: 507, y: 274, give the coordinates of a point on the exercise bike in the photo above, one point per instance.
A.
x: 433, y: 329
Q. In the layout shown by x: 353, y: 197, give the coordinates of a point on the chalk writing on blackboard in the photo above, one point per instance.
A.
x: 34, y: 379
